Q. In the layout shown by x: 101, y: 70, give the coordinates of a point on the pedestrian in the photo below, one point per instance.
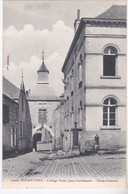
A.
x: 97, y: 139
x: 97, y: 144
x: 35, y: 139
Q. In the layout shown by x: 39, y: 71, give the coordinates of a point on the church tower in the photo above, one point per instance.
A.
x: 43, y: 73
x: 42, y: 102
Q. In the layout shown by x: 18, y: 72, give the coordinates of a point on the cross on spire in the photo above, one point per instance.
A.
x: 22, y: 82
x: 43, y: 56
x: 22, y: 73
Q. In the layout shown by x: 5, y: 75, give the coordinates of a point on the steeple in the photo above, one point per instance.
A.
x: 43, y: 72
x: 43, y: 68
x: 22, y: 83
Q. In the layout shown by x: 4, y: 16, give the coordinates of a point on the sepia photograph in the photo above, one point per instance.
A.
x: 64, y: 94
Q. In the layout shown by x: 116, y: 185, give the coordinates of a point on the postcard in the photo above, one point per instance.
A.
x: 64, y: 94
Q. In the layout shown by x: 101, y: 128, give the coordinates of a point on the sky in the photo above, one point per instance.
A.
x: 30, y: 27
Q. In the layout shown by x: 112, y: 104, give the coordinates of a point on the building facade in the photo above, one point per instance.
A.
x: 17, y: 128
x: 43, y: 101
x: 10, y: 127
x: 95, y: 82
x: 59, y: 124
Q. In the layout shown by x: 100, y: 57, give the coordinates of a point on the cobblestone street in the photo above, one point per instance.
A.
x: 34, y: 165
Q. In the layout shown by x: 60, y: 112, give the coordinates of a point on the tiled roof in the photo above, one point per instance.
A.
x: 43, y: 92
x: 10, y: 89
x: 9, y: 97
x: 43, y: 68
x: 114, y: 12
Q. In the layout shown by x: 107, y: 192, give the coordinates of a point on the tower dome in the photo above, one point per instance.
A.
x: 43, y: 73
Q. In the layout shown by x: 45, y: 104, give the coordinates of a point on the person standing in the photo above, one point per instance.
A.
x: 97, y: 144
x: 35, y: 139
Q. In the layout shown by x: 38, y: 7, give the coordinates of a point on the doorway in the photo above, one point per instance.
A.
x: 75, y: 138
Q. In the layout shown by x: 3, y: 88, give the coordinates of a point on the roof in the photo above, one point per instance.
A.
x: 43, y: 92
x: 43, y: 68
x: 6, y: 95
x: 114, y: 12
x: 10, y: 89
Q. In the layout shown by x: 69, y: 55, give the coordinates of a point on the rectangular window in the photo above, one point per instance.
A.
x: 22, y: 128
x: 109, y: 65
x: 105, y: 115
x: 112, y: 115
x: 13, y: 137
x: 42, y: 115
x: 80, y: 72
x: 109, y: 115
x: 5, y: 113
x: 42, y: 105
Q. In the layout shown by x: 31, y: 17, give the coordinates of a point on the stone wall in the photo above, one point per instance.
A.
x: 109, y: 140
x: 59, y: 127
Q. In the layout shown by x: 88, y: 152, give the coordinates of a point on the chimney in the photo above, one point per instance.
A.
x: 27, y: 94
x: 77, y: 21
x: 78, y: 14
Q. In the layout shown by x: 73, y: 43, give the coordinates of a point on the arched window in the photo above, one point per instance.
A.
x: 109, y: 61
x: 109, y: 112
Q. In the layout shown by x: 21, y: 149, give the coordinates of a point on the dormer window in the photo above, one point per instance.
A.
x: 109, y: 61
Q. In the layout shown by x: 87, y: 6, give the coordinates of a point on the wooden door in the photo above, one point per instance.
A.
x: 75, y: 138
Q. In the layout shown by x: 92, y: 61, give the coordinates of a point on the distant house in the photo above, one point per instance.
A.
x: 17, y: 128
x: 95, y: 82
x: 43, y: 101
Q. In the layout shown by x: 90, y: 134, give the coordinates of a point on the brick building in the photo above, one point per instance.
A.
x: 17, y: 128
x: 43, y: 101
x: 95, y: 82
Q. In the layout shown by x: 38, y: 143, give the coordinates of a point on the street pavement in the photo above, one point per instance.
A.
x: 36, y: 165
